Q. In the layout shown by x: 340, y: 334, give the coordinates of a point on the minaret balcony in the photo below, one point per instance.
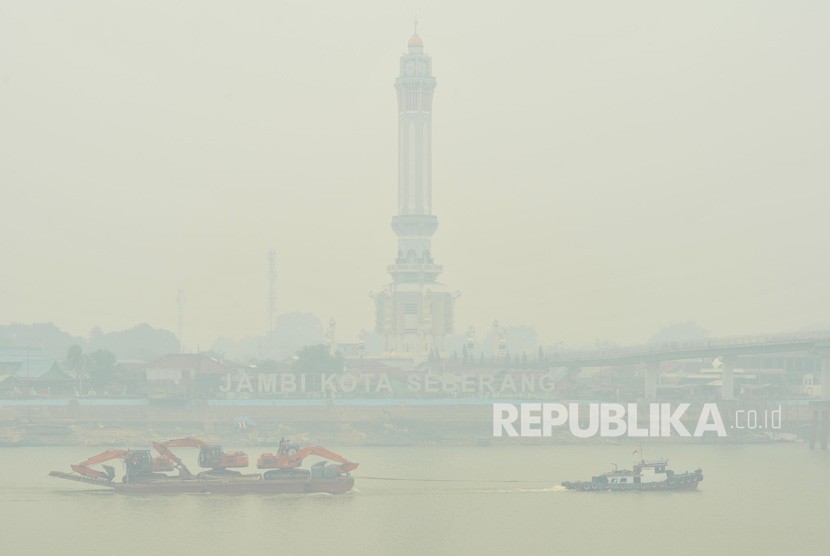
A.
x: 415, y: 267
x: 415, y: 261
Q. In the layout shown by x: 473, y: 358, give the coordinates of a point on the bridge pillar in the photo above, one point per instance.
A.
x: 727, y: 378
x: 820, y: 422
x: 652, y: 378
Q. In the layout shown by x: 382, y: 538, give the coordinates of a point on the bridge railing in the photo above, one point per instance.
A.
x: 669, y: 348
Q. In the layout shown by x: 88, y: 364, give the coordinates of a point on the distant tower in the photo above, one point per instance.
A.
x: 472, y: 347
x: 272, y: 291
x: 415, y: 311
x: 180, y: 301
x: 470, y: 340
x: 500, y: 351
x: 331, y: 336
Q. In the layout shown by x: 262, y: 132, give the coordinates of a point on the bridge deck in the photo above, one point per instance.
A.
x: 815, y: 342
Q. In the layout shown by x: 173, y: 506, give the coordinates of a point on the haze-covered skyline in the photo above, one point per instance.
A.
x: 598, y: 170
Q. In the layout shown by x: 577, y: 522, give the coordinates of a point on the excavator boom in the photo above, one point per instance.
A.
x: 161, y: 448
x: 209, y: 456
x: 84, y: 468
x: 187, y: 442
x: 277, y: 461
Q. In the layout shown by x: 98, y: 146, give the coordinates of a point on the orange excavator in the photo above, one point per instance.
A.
x: 158, y: 464
x: 210, y: 456
x: 290, y: 457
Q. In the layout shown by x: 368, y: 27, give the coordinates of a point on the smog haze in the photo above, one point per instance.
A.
x: 599, y: 169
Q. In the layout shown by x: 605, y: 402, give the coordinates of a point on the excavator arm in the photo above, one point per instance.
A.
x: 209, y: 456
x: 84, y: 468
x: 187, y: 442
x: 161, y: 448
x: 275, y: 461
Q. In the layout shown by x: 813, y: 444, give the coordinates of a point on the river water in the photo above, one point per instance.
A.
x: 755, y: 499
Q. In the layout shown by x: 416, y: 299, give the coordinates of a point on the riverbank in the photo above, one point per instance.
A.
x: 125, y: 422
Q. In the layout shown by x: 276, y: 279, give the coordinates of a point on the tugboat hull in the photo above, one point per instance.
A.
x: 689, y: 482
x: 646, y: 475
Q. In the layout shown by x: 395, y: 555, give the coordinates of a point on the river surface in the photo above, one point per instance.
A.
x: 755, y: 499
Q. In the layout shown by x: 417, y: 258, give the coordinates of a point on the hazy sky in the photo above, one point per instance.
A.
x: 600, y: 168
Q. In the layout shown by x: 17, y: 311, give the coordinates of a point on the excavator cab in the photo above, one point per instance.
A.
x: 214, y: 458
x: 139, y: 466
x: 210, y: 456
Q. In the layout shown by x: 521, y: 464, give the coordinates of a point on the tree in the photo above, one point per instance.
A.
x: 46, y: 335
x: 293, y: 331
x: 317, y: 359
x: 266, y: 365
x: 102, y: 366
x: 141, y: 342
x: 76, y: 361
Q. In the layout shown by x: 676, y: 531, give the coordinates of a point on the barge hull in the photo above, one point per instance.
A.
x: 241, y: 485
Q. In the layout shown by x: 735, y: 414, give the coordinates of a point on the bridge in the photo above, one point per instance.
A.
x: 726, y: 349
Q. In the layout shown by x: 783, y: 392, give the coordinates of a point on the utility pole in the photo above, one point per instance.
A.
x: 180, y: 300
x: 272, y: 292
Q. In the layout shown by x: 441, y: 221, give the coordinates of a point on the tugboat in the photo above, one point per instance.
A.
x: 646, y: 475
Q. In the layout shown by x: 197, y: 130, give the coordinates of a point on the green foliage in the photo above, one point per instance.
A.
x: 102, y: 365
x: 53, y: 340
x: 76, y: 361
x: 141, y: 342
x: 317, y: 359
x: 266, y: 365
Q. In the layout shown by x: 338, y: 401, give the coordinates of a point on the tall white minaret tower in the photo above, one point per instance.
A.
x: 415, y: 224
x: 414, y: 312
x: 415, y: 86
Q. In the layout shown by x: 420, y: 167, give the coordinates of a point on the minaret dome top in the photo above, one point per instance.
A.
x: 416, y: 45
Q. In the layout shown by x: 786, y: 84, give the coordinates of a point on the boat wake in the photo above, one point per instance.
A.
x: 522, y: 490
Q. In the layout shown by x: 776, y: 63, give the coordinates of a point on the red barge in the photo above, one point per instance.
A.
x: 145, y: 474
